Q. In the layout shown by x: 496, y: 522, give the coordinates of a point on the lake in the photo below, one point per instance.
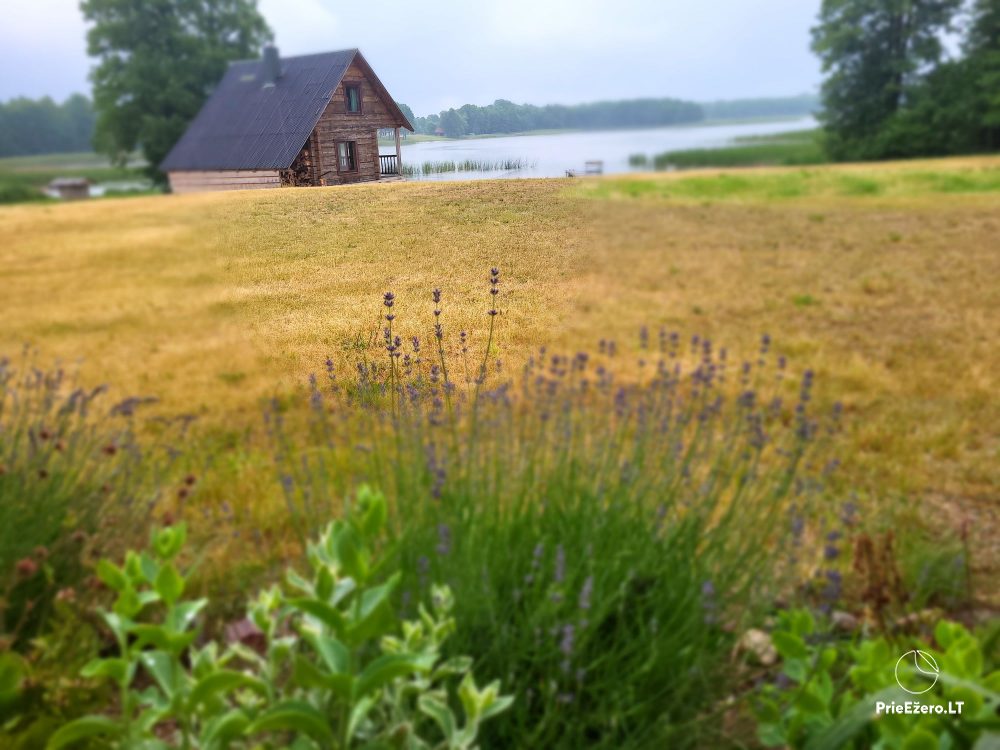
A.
x: 551, y: 155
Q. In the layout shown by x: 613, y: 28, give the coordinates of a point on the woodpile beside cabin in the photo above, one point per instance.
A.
x: 296, y: 121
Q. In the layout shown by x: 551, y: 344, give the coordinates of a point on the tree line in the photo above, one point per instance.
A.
x: 892, y: 91
x: 43, y: 126
x: 504, y: 116
x: 784, y: 106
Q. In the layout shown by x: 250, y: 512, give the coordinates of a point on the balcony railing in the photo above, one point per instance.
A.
x: 388, y: 164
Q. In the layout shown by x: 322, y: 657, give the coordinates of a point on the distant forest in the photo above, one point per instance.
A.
x: 41, y: 126
x: 504, y: 116
x: 745, y: 109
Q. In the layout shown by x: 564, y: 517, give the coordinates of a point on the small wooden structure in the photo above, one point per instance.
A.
x: 296, y: 121
x: 70, y: 188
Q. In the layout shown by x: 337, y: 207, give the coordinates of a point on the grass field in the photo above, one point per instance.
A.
x: 881, y: 278
x: 23, y: 177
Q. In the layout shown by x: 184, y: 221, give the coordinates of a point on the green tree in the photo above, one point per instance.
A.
x: 982, y: 49
x: 157, y: 62
x: 408, y: 112
x: 453, y: 123
x: 873, y: 52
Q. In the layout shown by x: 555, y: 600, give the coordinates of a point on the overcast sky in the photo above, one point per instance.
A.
x: 436, y: 54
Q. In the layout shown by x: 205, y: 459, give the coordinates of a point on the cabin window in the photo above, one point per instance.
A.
x: 353, y: 95
x: 346, y: 161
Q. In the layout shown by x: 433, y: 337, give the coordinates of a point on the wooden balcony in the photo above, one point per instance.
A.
x: 388, y: 164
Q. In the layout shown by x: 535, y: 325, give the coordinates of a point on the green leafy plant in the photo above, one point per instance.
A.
x: 334, y: 668
x: 828, y: 692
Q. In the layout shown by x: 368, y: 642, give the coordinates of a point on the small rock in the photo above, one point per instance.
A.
x: 844, y: 621
x: 758, y: 643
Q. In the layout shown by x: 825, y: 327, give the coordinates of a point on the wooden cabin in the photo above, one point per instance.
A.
x: 293, y: 121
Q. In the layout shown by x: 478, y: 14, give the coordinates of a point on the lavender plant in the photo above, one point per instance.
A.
x: 605, y: 536
x: 71, y: 467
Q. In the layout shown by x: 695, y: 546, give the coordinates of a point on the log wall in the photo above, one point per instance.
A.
x: 336, y: 124
x: 232, y: 179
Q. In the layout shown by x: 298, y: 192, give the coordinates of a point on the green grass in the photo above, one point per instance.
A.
x: 783, y: 149
x: 22, y: 178
x: 802, y: 183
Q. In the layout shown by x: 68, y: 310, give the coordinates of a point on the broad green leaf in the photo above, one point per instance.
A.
x: 807, y: 700
x: 298, y: 582
x: 334, y: 653
x: 111, y: 575
x: 83, y: 728
x: 487, y: 701
x: 372, y: 511
x: 435, y: 706
x: 308, y: 675
x: 375, y: 614
x: 12, y: 672
x: 180, y: 616
x: 358, y: 714
x: 169, y: 541
x: 827, y: 658
x: 766, y: 711
x: 324, y: 584
x: 771, y: 735
x: 497, y: 706
x: 222, y: 730
x: 128, y: 604
x: 920, y: 739
x: 456, y: 665
x: 221, y: 682
x: 790, y: 646
x: 795, y: 669
x: 169, y: 583
x: 163, y: 669
x: 325, y: 613
x: 114, y: 669
x: 387, y: 668
x: 294, y: 716
x: 349, y: 551
x: 149, y: 567
x: 162, y: 638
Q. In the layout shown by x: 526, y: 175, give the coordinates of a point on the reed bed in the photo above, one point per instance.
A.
x: 466, y: 165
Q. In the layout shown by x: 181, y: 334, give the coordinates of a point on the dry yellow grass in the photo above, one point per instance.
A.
x: 211, y: 301
x: 891, y: 293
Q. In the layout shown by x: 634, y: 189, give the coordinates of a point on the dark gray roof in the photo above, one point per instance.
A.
x: 246, y: 125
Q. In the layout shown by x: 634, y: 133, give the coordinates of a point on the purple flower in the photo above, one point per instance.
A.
x: 566, y: 642
x: 559, y: 573
x: 585, y: 594
x: 444, y: 540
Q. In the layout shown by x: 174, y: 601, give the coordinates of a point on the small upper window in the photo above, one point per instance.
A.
x: 353, y: 95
